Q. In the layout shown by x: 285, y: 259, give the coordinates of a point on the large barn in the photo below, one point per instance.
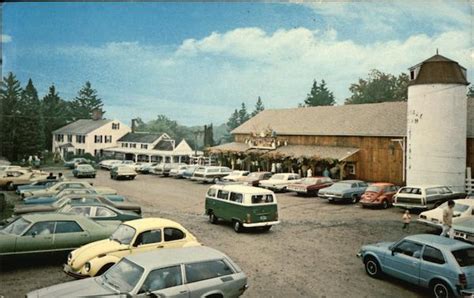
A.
x: 364, y: 141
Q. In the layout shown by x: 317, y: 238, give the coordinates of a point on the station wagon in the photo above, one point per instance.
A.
x: 244, y: 206
x: 424, y: 197
x: 210, y: 174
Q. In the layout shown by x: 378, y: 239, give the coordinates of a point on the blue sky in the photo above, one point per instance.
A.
x: 196, y: 62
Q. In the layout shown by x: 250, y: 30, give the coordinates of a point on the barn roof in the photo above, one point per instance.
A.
x: 388, y: 119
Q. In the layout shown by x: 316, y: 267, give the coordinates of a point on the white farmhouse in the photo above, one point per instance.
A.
x: 149, y: 147
x: 88, y: 136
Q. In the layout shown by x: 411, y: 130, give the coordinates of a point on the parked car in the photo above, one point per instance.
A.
x: 39, y: 184
x: 470, y: 195
x: 122, y: 172
x: 84, y: 171
x: 280, y: 182
x: 146, y: 167
x: 89, y: 198
x: 98, y: 211
x: 379, y: 195
x: 189, y: 172
x: 424, y: 197
x: 54, y: 189
x: 131, y: 237
x: 346, y: 190
x: 76, y: 161
x: 254, y: 178
x: 38, y: 233
x: 10, y: 179
x: 4, y: 168
x: 443, y: 265
x: 244, y: 206
x: 464, y: 229
x: 164, y: 169
x: 310, y: 185
x: 35, y: 200
x: 177, y: 172
x: 236, y: 176
x: 462, y: 208
x: 109, y: 163
x: 179, y: 272
x: 210, y: 174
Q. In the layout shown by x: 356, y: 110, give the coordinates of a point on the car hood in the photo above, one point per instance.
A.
x: 85, y: 287
x: 464, y: 225
x: 89, y: 251
x: 438, y: 214
x: 380, y: 246
x: 22, y: 209
x: 371, y: 196
x: 105, y: 190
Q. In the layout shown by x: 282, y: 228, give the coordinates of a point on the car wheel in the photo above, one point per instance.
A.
x: 372, y: 267
x: 237, y: 226
x: 354, y: 199
x: 440, y: 289
x: 212, y: 218
x: 215, y: 180
x: 266, y: 228
x: 384, y: 204
x: 10, y: 186
x: 93, y: 176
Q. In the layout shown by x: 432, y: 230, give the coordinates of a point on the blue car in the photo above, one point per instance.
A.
x: 40, y: 184
x: 65, y: 192
x: 445, y: 266
x: 344, y: 191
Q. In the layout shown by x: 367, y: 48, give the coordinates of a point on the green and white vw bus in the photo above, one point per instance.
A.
x: 244, y: 206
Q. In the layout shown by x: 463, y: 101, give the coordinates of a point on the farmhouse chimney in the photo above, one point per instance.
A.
x: 97, y: 114
x: 134, y: 125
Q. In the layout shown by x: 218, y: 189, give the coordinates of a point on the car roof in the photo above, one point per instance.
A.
x: 243, y: 189
x: 350, y: 181
x: 439, y: 241
x: 424, y: 186
x: 173, y: 256
x: 51, y: 216
x: 154, y: 222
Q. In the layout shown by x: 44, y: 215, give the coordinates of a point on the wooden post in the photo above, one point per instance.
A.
x: 341, y: 170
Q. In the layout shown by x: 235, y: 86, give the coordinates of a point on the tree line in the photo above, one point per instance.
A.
x: 27, y: 122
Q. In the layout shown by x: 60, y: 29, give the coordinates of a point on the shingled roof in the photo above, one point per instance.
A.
x: 135, y: 137
x: 82, y: 126
x: 388, y: 119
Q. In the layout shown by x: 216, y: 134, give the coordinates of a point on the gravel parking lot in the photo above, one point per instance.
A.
x: 312, y: 253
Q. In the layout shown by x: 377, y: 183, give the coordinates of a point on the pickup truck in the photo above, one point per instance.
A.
x: 424, y: 196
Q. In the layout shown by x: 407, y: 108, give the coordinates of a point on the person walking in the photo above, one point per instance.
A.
x: 448, y: 220
x: 406, y: 220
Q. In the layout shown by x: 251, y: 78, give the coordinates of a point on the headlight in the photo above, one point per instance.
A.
x: 69, y: 258
x: 87, y: 267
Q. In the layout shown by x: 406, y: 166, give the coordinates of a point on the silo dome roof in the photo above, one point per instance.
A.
x: 439, y: 70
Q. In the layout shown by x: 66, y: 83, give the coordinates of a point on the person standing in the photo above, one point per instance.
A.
x: 406, y: 220
x: 309, y: 173
x: 448, y: 220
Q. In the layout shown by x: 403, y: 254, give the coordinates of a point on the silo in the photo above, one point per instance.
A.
x: 437, y: 123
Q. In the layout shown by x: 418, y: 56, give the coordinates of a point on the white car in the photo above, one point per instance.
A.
x: 236, y: 176
x: 178, y: 172
x: 462, y: 208
x: 280, y: 182
x: 210, y: 173
x: 56, y: 188
x: 109, y: 163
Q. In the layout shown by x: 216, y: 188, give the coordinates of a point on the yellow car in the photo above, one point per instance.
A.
x: 131, y: 237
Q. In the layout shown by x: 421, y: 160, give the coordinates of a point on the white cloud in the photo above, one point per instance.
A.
x: 5, y: 38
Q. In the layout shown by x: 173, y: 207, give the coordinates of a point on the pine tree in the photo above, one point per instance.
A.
x: 320, y: 95
x: 55, y: 113
x: 10, y: 92
x: 243, y: 115
x: 233, y: 121
x: 30, y: 136
x: 258, y: 107
x: 85, y: 102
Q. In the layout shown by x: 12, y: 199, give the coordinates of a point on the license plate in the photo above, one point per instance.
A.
x: 263, y: 217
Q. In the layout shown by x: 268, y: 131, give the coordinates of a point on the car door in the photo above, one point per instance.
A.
x: 433, y: 264
x: 68, y: 234
x: 404, y: 261
x: 39, y: 237
x: 164, y: 282
x: 148, y: 240
x: 204, y: 277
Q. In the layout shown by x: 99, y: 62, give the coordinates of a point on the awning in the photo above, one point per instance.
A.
x: 313, y: 152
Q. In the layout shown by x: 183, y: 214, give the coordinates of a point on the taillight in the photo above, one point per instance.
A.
x: 462, y: 280
x: 249, y: 220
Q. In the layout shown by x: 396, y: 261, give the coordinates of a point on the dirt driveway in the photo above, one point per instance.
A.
x: 312, y: 253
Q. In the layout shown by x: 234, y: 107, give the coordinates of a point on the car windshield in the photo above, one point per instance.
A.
x: 341, y: 185
x: 309, y: 181
x: 464, y: 257
x: 374, y: 188
x: 278, y: 177
x: 16, y: 227
x: 123, y: 276
x: 123, y: 235
x: 85, y: 167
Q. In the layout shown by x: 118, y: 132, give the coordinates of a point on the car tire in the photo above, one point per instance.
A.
x: 440, y: 289
x: 9, y: 186
x: 266, y: 228
x: 215, y: 180
x: 93, y: 176
x: 104, y: 268
x: 237, y: 225
x: 354, y: 199
x: 372, y: 267
x: 212, y: 218
x: 385, y: 204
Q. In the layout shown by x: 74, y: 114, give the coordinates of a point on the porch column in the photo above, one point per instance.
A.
x: 341, y: 170
x: 149, y: 158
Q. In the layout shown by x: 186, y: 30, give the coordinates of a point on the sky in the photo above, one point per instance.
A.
x: 197, y: 62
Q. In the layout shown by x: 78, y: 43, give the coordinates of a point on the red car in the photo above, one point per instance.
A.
x: 379, y: 194
x: 310, y: 185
